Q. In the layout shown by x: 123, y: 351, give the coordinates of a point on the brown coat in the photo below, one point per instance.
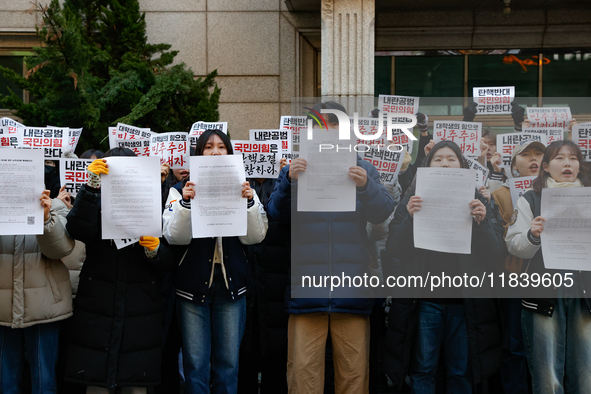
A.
x: 502, y: 197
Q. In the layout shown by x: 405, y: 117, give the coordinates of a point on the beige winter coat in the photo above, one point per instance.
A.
x: 34, y: 284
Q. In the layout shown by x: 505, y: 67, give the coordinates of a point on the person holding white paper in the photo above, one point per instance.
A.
x: 526, y: 161
x: 35, y: 297
x: 212, y: 280
x: 326, y: 243
x: 116, y: 330
x: 557, y: 331
x: 440, y: 323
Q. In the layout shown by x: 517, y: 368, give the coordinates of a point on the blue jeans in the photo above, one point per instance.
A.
x: 440, y: 327
x: 41, y: 342
x: 558, y: 348
x: 212, y: 333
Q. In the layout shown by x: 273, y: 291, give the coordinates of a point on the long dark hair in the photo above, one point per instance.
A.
x: 551, y: 152
x: 119, y: 152
x: 203, y: 138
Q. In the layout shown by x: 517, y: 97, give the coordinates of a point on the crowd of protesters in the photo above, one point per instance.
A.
x: 197, y: 315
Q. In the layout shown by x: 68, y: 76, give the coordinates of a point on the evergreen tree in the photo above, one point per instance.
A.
x: 94, y: 68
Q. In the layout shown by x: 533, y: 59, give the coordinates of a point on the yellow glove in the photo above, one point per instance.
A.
x: 150, y: 245
x: 95, y: 169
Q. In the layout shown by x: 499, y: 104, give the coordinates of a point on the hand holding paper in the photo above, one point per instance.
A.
x: 189, y: 191
x: 298, y: 165
x: 46, y: 204
x: 358, y: 175
x: 537, y: 226
x: 95, y: 169
x: 414, y: 205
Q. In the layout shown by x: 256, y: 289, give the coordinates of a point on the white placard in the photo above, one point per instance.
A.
x: 398, y: 104
x: 51, y: 140
x: 131, y: 198
x: 507, y: 142
x: 481, y: 172
x: 582, y: 137
x: 139, y: 147
x: 466, y: 135
x: 444, y: 223
x: 21, y: 181
x: 73, y: 174
x: 218, y: 209
x: 565, y: 239
x: 325, y: 185
x: 549, y: 116
x: 552, y: 133
x: 171, y: 148
x: 244, y: 146
x: 518, y: 187
x: 494, y: 100
x: 223, y: 126
x: 126, y: 132
x: 73, y: 138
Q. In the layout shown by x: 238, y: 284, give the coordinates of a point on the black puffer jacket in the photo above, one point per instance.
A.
x: 271, y: 260
x: 116, y: 332
x: 401, y: 258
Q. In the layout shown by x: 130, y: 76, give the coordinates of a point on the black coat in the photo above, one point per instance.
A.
x: 116, y: 331
x: 401, y: 258
x: 270, y: 260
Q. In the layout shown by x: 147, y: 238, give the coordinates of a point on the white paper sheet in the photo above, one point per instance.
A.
x: 21, y: 186
x: 131, y: 198
x: 218, y: 209
x: 444, y: 223
x: 566, y: 235
x: 325, y: 185
x: 481, y: 172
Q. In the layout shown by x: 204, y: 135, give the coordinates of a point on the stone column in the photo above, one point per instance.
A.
x: 348, y: 42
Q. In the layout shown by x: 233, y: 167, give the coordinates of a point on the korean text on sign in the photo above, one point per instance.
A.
x: 281, y: 136
x: 172, y: 148
x: 552, y: 133
x: 582, y: 137
x: 466, y: 134
x: 518, y: 187
x: 398, y: 104
x: 139, y: 147
x: 506, y: 143
x: 297, y: 125
x: 549, y: 116
x: 127, y: 132
x: 494, y: 100
x: 73, y: 174
x: 244, y: 146
x: 261, y: 165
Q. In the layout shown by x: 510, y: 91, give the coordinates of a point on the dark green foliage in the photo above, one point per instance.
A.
x: 94, y: 68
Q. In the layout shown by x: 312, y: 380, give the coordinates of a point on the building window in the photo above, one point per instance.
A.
x: 16, y: 64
